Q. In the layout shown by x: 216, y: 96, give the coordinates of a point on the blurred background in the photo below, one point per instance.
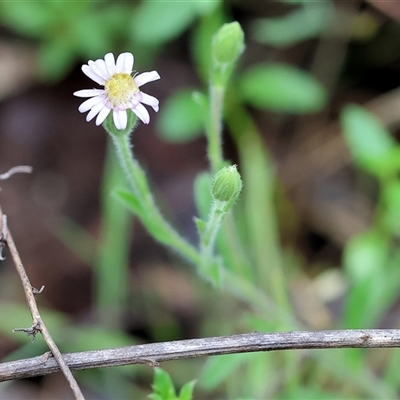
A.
x: 108, y: 283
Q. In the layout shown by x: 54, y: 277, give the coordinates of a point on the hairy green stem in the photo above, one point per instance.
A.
x: 154, y: 221
x: 210, y: 233
x: 215, y: 127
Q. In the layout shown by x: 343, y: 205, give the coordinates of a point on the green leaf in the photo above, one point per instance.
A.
x: 391, y: 200
x: 202, y: 194
x: 156, y: 22
x: 200, y: 224
x: 282, y: 88
x: 129, y: 200
x: 33, y: 19
x: 186, y: 392
x: 163, y: 387
x: 366, y: 264
x: 299, y: 25
x: 364, y: 256
x: 371, y: 145
x: 181, y: 118
x: 151, y: 221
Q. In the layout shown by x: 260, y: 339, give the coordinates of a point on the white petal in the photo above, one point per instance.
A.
x: 146, y: 77
x: 99, y: 66
x: 88, y: 92
x: 90, y: 103
x: 142, y: 113
x: 102, y: 115
x: 110, y: 63
x: 125, y: 63
x: 94, y: 111
x: 134, y: 101
x: 92, y: 74
x: 120, y: 119
x: 150, y: 101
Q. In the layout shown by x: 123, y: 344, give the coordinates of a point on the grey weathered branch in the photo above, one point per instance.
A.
x: 153, y: 354
x: 37, y: 325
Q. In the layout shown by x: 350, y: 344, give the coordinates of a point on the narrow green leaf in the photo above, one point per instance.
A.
x: 365, y: 262
x: 371, y: 145
x: 129, y: 200
x: 391, y: 200
x: 202, y: 194
x: 186, y: 392
x: 162, y: 386
x: 301, y: 24
x: 151, y: 221
x: 282, y: 88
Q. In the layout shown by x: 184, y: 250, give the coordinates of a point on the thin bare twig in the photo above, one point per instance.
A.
x: 37, y: 322
x: 154, y: 353
x: 26, y: 169
x: 3, y: 236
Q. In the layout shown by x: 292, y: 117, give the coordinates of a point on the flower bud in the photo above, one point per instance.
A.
x: 228, y: 44
x: 227, y: 184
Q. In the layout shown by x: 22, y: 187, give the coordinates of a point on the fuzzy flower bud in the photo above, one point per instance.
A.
x: 227, y: 184
x: 228, y: 44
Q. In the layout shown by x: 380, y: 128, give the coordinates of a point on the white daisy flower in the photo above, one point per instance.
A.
x: 121, y: 90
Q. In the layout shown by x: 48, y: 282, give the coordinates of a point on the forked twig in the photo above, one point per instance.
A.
x: 30, y: 292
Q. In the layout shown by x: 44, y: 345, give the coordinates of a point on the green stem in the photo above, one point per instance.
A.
x: 215, y: 127
x: 153, y: 220
x: 112, y: 283
x: 210, y: 233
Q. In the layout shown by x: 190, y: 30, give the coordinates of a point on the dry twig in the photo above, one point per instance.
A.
x: 152, y: 354
x: 26, y: 169
x: 30, y: 292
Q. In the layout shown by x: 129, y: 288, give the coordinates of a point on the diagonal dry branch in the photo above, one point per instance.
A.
x: 154, y: 353
x: 38, y: 325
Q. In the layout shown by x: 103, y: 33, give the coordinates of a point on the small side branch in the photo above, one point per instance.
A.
x: 153, y: 354
x: 25, y: 169
x: 30, y: 293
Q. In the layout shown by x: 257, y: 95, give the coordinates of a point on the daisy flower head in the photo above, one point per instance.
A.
x: 121, y: 90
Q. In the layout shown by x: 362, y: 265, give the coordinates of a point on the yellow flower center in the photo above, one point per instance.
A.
x: 120, y: 88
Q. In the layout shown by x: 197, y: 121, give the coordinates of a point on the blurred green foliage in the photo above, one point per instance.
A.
x: 302, y: 23
x: 256, y: 293
x: 66, y: 32
x: 289, y: 89
x: 370, y: 259
x: 373, y: 148
x: 189, y: 124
